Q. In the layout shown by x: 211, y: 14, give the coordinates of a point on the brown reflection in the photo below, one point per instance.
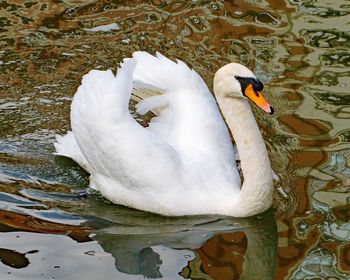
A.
x: 301, y: 233
x: 344, y: 258
x: 223, y: 256
x: 10, y: 221
x: 292, y: 249
x: 319, y: 143
x: 5, y: 158
x: 15, y: 186
x: 303, y: 126
x: 342, y: 213
x: 13, y: 259
x: 308, y: 158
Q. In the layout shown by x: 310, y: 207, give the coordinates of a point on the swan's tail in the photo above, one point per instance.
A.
x: 67, y: 146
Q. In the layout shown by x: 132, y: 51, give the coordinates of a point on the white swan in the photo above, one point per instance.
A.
x: 183, y: 163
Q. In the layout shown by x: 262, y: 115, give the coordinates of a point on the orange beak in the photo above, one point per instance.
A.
x: 258, y: 99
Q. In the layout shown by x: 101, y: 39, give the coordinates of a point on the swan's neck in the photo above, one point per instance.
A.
x: 256, y: 192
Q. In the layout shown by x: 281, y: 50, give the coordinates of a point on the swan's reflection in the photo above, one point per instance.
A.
x: 177, y: 248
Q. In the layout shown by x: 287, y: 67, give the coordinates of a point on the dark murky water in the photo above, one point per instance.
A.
x: 300, y: 49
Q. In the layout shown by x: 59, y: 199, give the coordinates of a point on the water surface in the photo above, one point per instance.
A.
x: 50, y: 230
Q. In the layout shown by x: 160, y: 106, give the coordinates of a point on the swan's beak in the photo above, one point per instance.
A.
x: 258, y: 98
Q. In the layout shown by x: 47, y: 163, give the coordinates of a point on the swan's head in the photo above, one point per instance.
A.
x: 236, y: 81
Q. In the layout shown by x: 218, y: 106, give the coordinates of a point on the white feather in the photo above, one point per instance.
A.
x: 183, y: 163
x: 67, y: 146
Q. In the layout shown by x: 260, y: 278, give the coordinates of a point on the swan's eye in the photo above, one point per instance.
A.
x: 245, y: 82
x: 258, y: 85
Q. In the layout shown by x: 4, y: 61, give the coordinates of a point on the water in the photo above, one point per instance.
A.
x: 50, y: 230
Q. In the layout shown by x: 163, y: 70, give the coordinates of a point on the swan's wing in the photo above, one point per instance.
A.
x: 188, y: 118
x: 122, y: 155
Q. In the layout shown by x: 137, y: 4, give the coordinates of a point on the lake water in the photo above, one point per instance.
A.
x: 49, y: 228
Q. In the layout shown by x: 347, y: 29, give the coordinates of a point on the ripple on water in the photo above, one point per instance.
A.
x: 298, y: 48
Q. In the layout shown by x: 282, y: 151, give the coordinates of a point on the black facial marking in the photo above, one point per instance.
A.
x: 245, y: 82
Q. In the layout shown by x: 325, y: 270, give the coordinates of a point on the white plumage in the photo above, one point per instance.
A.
x: 182, y: 163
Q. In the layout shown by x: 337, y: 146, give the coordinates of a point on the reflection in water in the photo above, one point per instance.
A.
x: 13, y: 259
x: 151, y: 251
x: 300, y: 49
x: 48, y: 256
x: 143, y: 244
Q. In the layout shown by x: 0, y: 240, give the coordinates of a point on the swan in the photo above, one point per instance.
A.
x: 183, y: 163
